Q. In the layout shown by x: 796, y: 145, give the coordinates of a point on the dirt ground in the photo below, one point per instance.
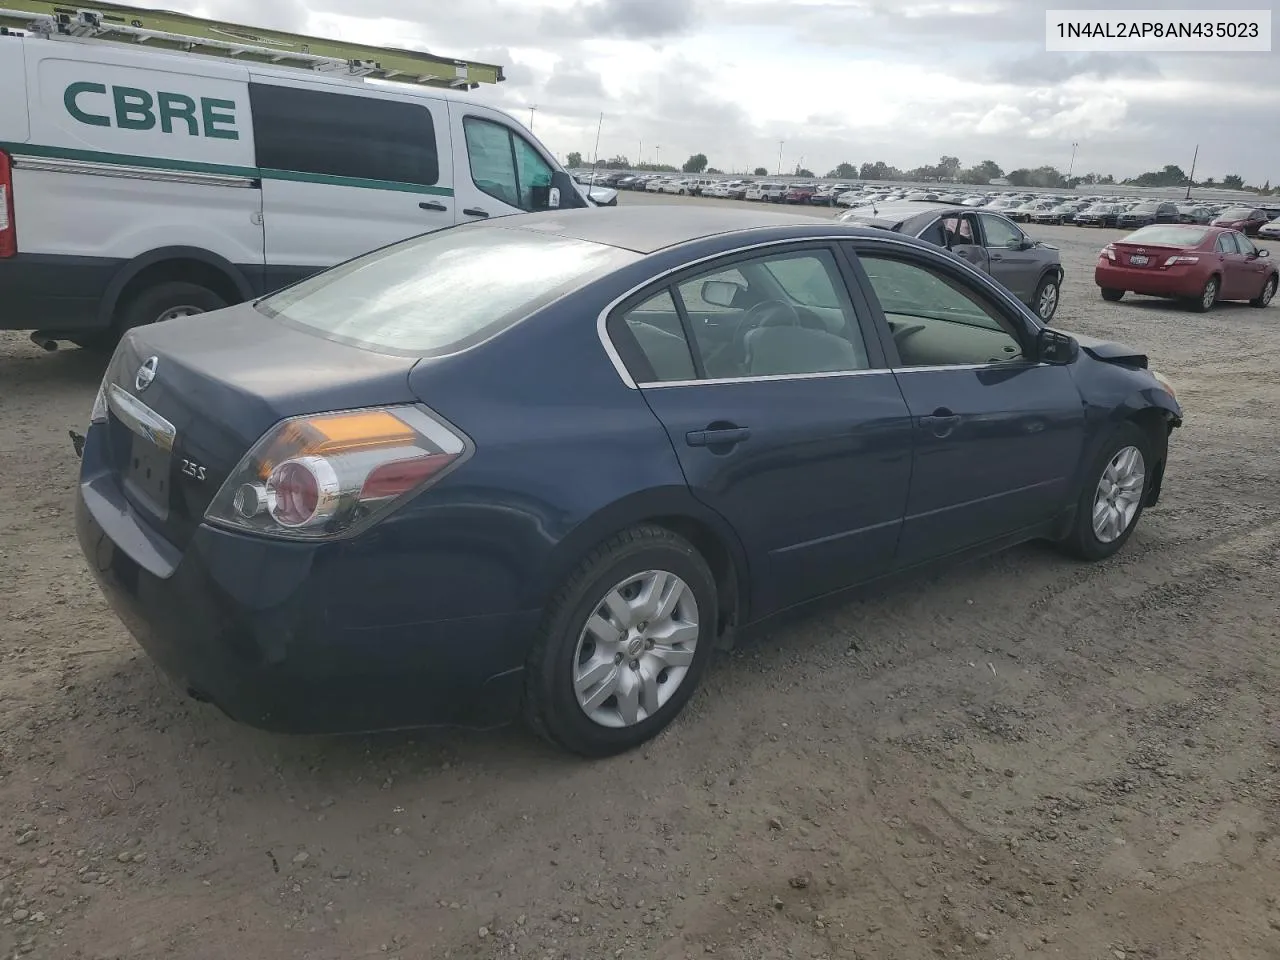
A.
x: 1024, y: 757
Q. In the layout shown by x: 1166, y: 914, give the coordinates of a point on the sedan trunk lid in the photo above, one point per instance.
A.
x: 187, y: 400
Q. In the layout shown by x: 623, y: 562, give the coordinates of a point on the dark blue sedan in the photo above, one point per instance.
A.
x: 544, y: 464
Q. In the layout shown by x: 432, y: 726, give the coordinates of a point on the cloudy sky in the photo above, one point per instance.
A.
x: 904, y: 81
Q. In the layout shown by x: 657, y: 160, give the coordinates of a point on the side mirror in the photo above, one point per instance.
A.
x: 719, y: 293
x: 1264, y: 252
x: 570, y: 194
x: 1055, y: 347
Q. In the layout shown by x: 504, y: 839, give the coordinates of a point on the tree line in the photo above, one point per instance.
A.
x: 950, y: 170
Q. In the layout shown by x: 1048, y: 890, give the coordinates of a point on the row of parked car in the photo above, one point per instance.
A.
x: 1025, y: 207
x: 766, y: 191
x: 1124, y: 213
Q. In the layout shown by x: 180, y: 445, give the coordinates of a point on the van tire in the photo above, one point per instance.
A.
x: 165, y: 301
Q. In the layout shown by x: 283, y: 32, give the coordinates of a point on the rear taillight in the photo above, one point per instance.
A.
x: 8, y: 225
x: 1109, y: 252
x: 1181, y: 259
x: 326, y: 475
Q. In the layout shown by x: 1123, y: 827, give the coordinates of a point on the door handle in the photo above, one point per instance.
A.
x: 941, y: 422
x: 996, y: 256
x: 475, y: 212
x: 432, y: 205
x: 716, y: 437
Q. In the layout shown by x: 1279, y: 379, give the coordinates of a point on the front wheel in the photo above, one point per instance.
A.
x: 1208, y: 296
x: 1269, y: 291
x: 1112, y: 495
x: 1111, y: 296
x: 623, y: 645
x: 1046, y: 298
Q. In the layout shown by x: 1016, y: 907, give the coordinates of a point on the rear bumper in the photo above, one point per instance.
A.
x: 1172, y: 282
x: 268, y: 633
x: 50, y: 292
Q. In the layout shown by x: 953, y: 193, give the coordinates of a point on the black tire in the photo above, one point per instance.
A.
x: 1050, y: 280
x: 1082, y: 543
x: 102, y: 342
x: 551, y: 706
x: 1111, y: 296
x: 1268, y: 291
x: 154, y: 302
x: 1208, y: 296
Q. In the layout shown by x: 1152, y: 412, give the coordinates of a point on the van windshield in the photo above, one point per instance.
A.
x: 442, y: 292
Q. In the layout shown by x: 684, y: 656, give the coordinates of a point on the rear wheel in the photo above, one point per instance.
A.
x: 623, y: 645
x: 1111, y: 295
x: 1112, y: 495
x: 1046, y: 298
x: 1208, y: 296
x: 1269, y: 291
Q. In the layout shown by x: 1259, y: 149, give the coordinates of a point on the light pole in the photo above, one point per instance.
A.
x: 780, y: 143
x: 531, y: 109
x: 1192, y: 179
x: 1072, y: 165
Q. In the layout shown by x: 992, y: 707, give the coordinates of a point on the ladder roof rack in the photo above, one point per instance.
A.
x: 178, y: 32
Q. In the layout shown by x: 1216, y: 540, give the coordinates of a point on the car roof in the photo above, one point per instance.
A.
x: 645, y: 229
x: 899, y: 211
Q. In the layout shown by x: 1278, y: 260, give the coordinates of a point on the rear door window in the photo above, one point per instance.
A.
x: 326, y: 134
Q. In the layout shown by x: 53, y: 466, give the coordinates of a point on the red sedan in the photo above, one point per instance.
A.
x: 1199, y: 264
x: 1248, y: 220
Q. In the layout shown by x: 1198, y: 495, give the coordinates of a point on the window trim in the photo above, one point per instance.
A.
x: 842, y: 242
x: 1020, y: 317
x: 611, y: 317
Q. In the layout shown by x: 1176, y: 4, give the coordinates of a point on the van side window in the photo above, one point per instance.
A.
x: 338, y: 135
x: 506, y: 166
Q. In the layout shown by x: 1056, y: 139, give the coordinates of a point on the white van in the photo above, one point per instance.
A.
x: 139, y: 184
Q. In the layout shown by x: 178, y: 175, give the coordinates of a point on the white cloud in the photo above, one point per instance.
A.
x: 903, y: 81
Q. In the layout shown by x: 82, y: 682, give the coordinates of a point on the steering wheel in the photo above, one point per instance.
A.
x: 767, y: 313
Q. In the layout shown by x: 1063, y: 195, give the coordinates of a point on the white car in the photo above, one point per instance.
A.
x: 681, y: 187
x: 654, y: 186
x: 140, y: 184
x: 767, y: 192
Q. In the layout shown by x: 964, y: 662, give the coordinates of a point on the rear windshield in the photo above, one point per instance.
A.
x: 1236, y: 213
x: 1145, y: 208
x: 442, y: 292
x: 1172, y: 234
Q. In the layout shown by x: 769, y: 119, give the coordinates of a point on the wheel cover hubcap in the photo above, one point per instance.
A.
x: 1119, y: 493
x: 176, y: 313
x: 1269, y: 292
x: 1210, y: 293
x: 636, y: 648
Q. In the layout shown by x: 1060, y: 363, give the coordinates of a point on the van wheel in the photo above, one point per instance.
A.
x: 167, y: 301
x: 623, y: 644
